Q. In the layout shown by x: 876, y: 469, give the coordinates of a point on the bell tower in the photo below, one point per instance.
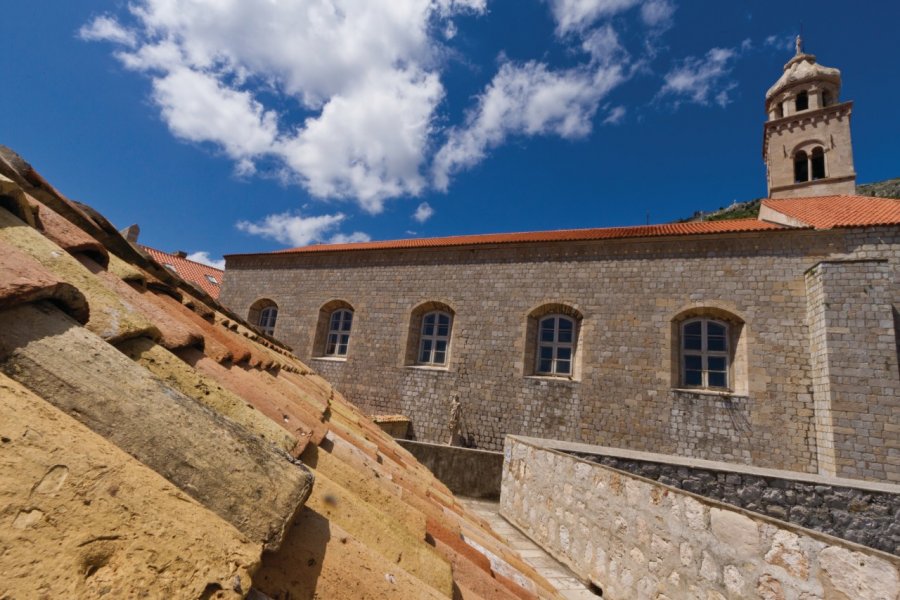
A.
x: 806, y: 140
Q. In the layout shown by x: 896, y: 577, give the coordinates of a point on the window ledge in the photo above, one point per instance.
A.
x: 445, y: 369
x: 709, y: 392
x: 330, y: 358
x: 556, y: 378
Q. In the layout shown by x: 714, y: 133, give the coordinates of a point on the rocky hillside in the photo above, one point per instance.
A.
x: 889, y: 188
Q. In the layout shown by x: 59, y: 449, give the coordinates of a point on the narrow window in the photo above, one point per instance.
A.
x: 434, y: 340
x: 802, y: 101
x: 826, y: 98
x: 339, y: 333
x: 267, y: 317
x: 704, y: 354
x: 555, y: 345
x: 818, y: 163
x: 801, y: 167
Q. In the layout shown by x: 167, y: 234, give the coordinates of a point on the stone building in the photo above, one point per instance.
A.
x: 769, y: 341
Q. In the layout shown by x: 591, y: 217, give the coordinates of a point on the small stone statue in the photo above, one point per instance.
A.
x: 454, y: 424
x: 799, y: 44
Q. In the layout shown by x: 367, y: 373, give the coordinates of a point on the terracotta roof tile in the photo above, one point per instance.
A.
x: 189, y: 270
x: 563, y: 235
x: 826, y: 212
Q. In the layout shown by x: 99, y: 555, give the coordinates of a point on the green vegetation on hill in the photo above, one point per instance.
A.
x: 890, y: 188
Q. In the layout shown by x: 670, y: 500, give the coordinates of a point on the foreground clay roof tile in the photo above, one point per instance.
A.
x: 154, y: 442
x: 205, y: 277
x: 827, y: 212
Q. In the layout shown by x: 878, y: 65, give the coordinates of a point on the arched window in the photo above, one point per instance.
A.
x: 802, y: 102
x: 704, y: 353
x: 332, y: 335
x: 801, y: 167
x: 263, y: 313
x: 826, y: 98
x: 818, y: 163
x: 434, y: 340
x: 339, y: 332
x: 555, y: 345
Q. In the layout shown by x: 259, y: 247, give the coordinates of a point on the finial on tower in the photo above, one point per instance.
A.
x: 799, y: 43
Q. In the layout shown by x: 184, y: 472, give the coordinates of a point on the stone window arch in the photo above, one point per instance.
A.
x: 264, y: 313
x: 709, y: 351
x: 817, y: 163
x: 333, y: 330
x: 430, y: 334
x: 553, y: 341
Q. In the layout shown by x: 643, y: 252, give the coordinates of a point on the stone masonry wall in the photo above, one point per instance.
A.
x: 860, y: 515
x: 642, y: 540
x: 856, y: 380
x: 629, y: 293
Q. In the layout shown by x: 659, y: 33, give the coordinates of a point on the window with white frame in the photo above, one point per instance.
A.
x: 555, y: 345
x: 267, y: 317
x: 339, y: 332
x: 704, y: 354
x: 434, y: 340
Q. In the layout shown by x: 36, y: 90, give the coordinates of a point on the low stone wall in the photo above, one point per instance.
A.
x: 636, y: 538
x: 466, y: 471
x: 857, y: 511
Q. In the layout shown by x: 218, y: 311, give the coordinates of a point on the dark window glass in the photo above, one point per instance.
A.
x: 693, y: 377
x: 818, y: 164
x: 802, y: 101
x: 801, y: 168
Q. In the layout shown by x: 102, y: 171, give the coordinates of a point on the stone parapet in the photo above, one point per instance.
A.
x: 637, y: 538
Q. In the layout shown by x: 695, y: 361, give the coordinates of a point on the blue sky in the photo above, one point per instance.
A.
x: 234, y: 126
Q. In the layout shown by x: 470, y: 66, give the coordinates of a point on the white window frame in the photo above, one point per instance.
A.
x: 337, y: 341
x: 433, y: 339
x: 556, y: 345
x: 267, y: 318
x: 705, y: 354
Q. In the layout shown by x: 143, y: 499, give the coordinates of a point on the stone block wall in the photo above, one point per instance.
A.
x: 868, y: 515
x: 856, y: 379
x: 639, y: 539
x: 466, y: 471
x: 629, y: 292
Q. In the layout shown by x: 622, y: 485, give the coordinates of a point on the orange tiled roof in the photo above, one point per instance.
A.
x: 563, y: 235
x: 827, y: 212
x: 189, y: 270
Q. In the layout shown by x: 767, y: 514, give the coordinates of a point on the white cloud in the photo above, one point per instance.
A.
x: 701, y: 79
x: 199, y: 108
x: 219, y: 69
x: 577, y: 15
x: 106, y: 29
x: 296, y: 230
x: 370, y: 143
x: 526, y: 99
x: 353, y: 238
x: 658, y: 13
x: 204, y: 258
x: 781, y: 42
x: 604, y: 46
x: 423, y: 212
x: 615, y: 116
